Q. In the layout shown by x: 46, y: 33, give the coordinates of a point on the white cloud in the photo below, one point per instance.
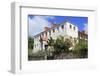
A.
x: 85, y: 27
x: 37, y: 24
x: 50, y: 17
x: 46, y: 17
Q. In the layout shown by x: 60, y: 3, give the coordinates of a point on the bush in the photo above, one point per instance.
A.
x: 81, y: 49
x: 60, y: 45
x: 30, y: 42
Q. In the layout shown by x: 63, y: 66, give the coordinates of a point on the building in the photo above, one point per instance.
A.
x: 83, y: 35
x: 66, y: 29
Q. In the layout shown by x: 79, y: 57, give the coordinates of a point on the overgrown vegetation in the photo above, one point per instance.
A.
x: 30, y: 45
x: 81, y: 49
x: 30, y: 42
x: 60, y: 49
x: 60, y: 45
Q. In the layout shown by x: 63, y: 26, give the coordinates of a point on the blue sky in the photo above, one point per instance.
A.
x: 37, y: 23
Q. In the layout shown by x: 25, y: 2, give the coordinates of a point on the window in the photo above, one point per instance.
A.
x: 46, y: 33
x: 62, y: 26
x: 50, y: 33
x: 42, y: 34
x: 53, y: 30
x: 74, y: 27
x: 70, y: 26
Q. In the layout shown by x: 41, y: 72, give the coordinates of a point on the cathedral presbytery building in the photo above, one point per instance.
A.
x: 66, y: 29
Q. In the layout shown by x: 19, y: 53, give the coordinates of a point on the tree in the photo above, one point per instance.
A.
x: 30, y: 42
x: 61, y: 45
x: 50, y: 49
x: 50, y: 41
x: 81, y: 49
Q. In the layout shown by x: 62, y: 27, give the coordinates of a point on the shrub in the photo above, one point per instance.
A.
x: 81, y: 49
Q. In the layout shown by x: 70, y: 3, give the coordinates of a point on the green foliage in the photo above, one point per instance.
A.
x: 50, y: 41
x: 60, y: 45
x: 30, y: 42
x: 40, y: 55
x: 50, y: 49
x: 81, y: 49
x: 29, y: 51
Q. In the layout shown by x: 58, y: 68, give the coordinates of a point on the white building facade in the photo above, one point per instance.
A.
x: 66, y: 29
